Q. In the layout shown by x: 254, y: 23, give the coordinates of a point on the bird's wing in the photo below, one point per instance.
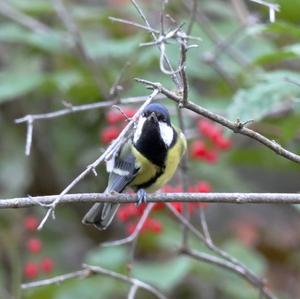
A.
x: 122, y: 170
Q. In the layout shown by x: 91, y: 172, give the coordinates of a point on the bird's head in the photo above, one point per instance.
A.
x: 155, y: 120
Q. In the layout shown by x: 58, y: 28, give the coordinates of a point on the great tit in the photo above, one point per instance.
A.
x: 145, y: 163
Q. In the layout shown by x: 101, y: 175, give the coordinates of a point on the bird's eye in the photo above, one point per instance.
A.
x: 161, y: 117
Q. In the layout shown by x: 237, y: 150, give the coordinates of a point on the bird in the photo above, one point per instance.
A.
x: 146, y: 162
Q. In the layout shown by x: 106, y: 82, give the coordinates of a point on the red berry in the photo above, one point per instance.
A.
x: 127, y: 211
x: 34, y: 245
x: 178, y: 206
x: 171, y: 189
x: 113, y: 117
x: 109, y: 134
x: 152, y: 225
x: 205, y: 127
x: 211, y: 157
x: 222, y: 143
x: 129, y: 112
x: 130, y: 228
x: 47, y: 264
x: 203, y: 187
x: 159, y: 206
x: 198, y: 149
x: 31, y: 223
x: 31, y: 270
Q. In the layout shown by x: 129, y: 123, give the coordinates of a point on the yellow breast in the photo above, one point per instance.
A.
x: 148, y: 171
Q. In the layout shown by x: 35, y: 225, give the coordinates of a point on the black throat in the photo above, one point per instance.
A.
x: 151, y: 145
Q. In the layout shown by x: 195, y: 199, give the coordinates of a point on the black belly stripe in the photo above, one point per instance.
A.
x: 149, y: 182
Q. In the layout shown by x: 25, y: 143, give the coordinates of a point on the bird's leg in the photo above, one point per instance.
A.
x: 141, y: 197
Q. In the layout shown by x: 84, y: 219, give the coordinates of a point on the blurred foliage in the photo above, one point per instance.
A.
x: 40, y: 70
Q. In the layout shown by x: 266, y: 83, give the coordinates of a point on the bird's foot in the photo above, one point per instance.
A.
x: 141, y: 197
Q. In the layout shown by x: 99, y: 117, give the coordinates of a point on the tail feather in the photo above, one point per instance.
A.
x: 100, y: 215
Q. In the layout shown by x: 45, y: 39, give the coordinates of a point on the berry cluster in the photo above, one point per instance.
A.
x: 213, y: 141
x: 36, y: 265
x: 129, y: 214
x: 115, y: 120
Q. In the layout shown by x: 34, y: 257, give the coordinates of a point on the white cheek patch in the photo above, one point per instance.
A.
x: 139, y: 129
x: 166, y: 132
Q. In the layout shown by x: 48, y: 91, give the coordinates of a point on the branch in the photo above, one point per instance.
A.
x: 204, y: 257
x: 225, y: 258
x: 225, y: 198
x: 70, y: 109
x: 88, y: 271
x: 236, y: 127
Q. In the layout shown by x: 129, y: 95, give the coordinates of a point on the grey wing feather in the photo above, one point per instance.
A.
x: 122, y: 173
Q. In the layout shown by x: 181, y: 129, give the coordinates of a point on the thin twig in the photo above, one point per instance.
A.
x: 132, y: 291
x: 136, y: 231
x: 236, y: 127
x: 247, y: 272
x: 214, y: 36
x: 31, y: 118
x: 273, y: 8
x: 29, y: 136
x: 89, y: 270
x: 193, y: 13
x: 57, y: 279
x: 133, y: 281
x: 205, y: 226
x: 165, y: 58
x: 204, y: 257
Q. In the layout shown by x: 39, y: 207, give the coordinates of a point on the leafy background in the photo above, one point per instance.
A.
x: 38, y: 71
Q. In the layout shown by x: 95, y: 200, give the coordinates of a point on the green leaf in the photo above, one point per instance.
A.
x: 65, y: 80
x: 275, y: 57
x: 33, y: 6
x: 263, y: 97
x: 97, y: 47
x: 99, y: 287
x: 48, y: 42
x: 164, y: 275
x: 232, y: 284
x: 247, y: 256
x: 15, y: 84
x: 283, y: 28
x: 112, y: 257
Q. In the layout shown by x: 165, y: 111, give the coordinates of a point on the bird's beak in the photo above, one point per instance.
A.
x: 152, y: 117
